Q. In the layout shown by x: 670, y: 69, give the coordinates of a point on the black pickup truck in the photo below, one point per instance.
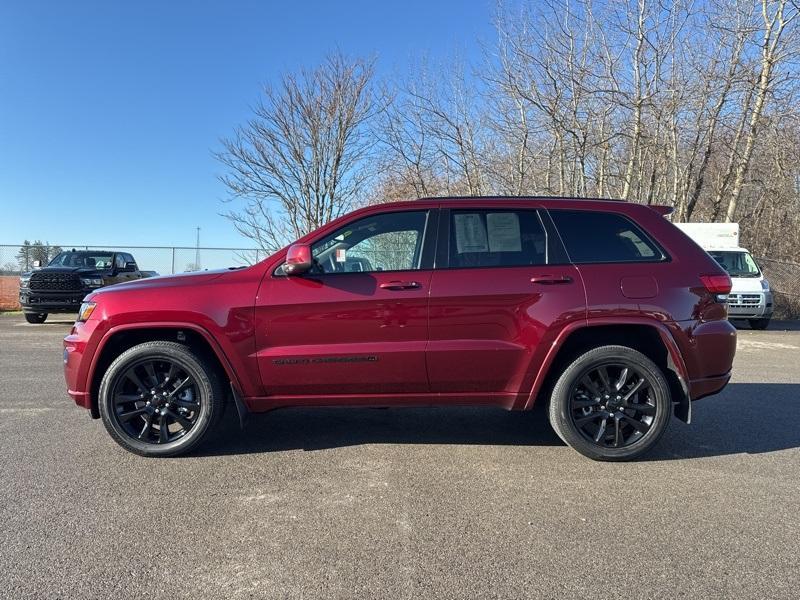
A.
x: 61, y: 286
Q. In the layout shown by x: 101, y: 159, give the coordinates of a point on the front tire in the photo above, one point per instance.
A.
x: 160, y: 399
x: 612, y: 403
x: 759, y: 323
x: 35, y: 318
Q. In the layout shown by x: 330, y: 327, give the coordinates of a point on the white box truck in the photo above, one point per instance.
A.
x: 750, y: 297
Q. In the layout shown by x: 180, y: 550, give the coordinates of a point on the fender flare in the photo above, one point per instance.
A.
x: 675, y: 362
x: 213, y: 344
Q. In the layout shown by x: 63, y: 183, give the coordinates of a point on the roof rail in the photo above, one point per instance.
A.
x: 513, y: 197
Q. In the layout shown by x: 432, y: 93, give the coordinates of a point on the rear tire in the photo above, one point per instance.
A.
x: 35, y: 317
x: 612, y: 403
x: 759, y: 323
x: 161, y: 399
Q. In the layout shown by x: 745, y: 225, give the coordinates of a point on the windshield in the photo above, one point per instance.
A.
x: 83, y: 259
x: 737, y: 264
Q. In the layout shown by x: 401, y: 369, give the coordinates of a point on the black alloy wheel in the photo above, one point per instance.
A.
x: 611, y: 403
x: 156, y: 401
x: 160, y: 399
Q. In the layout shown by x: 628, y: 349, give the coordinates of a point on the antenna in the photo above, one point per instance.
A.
x: 197, y: 251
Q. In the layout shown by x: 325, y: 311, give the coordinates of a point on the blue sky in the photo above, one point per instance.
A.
x: 109, y: 110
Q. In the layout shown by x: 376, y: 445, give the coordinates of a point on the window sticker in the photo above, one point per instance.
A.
x: 504, y: 234
x: 470, y: 233
x: 341, y: 255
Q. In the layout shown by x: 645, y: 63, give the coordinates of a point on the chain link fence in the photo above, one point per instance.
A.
x: 784, y: 276
x: 784, y: 279
x: 165, y: 260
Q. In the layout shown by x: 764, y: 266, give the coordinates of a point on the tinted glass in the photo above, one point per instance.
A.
x: 82, y: 259
x: 496, y: 238
x: 602, y: 237
x: 385, y: 242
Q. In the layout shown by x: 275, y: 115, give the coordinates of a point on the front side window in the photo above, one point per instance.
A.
x: 603, y: 237
x: 384, y: 242
x: 496, y: 238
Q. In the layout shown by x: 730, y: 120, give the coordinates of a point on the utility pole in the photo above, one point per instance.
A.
x: 197, y: 251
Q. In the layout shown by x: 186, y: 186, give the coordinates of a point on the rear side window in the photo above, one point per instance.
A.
x: 602, y: 237
x: 496, y: 238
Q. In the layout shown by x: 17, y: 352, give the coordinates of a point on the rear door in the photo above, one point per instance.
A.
x: 502, y: 282
x: 621, y: 266
x: 357, y: 324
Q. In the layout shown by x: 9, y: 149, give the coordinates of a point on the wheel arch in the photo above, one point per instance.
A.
x: 651, y: 338
x: 119, y: 339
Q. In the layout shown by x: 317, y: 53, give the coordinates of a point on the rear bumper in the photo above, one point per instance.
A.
x: 708, y: 348
x: 700, y: 388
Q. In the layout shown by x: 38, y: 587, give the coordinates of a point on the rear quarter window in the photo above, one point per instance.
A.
x: 604, y: 237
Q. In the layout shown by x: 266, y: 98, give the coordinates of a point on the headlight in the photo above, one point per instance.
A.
x: 24, y: 282
x: 92, y: 282
x: 86, y: 310
x: 765, y: 285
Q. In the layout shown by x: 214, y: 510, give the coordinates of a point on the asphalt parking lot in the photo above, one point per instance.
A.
x: 438, y: 503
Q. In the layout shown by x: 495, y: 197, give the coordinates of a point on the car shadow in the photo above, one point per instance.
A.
x: 774, y: 325
x: 749, y: 418
x: 746, y: 418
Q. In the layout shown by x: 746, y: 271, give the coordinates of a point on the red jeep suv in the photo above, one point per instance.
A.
x: 601, y: 309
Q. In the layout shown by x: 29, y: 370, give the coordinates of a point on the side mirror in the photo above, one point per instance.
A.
x: 298, y: 259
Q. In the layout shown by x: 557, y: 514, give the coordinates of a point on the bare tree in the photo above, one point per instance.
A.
x: 776, y: 18
x: 302, y: 160
x: 692, y: 103
x: 434, y: 135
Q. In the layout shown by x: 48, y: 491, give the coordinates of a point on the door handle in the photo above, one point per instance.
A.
x: 551, y: 279
x: 399, y: 285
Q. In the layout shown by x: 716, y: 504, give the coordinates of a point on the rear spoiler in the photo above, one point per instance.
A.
x: 662, y: 209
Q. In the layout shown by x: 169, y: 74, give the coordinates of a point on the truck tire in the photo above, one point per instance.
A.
x: 35, y: 317
x: 759, y: 323
x: 611, y: 403
x: 161, y: 399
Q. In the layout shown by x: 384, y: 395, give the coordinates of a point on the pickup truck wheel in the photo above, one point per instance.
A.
x: 160, y: 399
x: 759, y: 323
x: 35, y: 317
x: 612, y: 403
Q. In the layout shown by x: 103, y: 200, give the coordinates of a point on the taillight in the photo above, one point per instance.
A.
x: 717, y: 284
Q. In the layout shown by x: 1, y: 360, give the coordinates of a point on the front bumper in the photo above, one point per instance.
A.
x: 51, y: 302
x: 79, y: 347
x: 750, y: 305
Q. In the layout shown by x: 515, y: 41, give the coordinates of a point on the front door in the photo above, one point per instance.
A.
x: 504, y: 282
x: 357, y: 323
